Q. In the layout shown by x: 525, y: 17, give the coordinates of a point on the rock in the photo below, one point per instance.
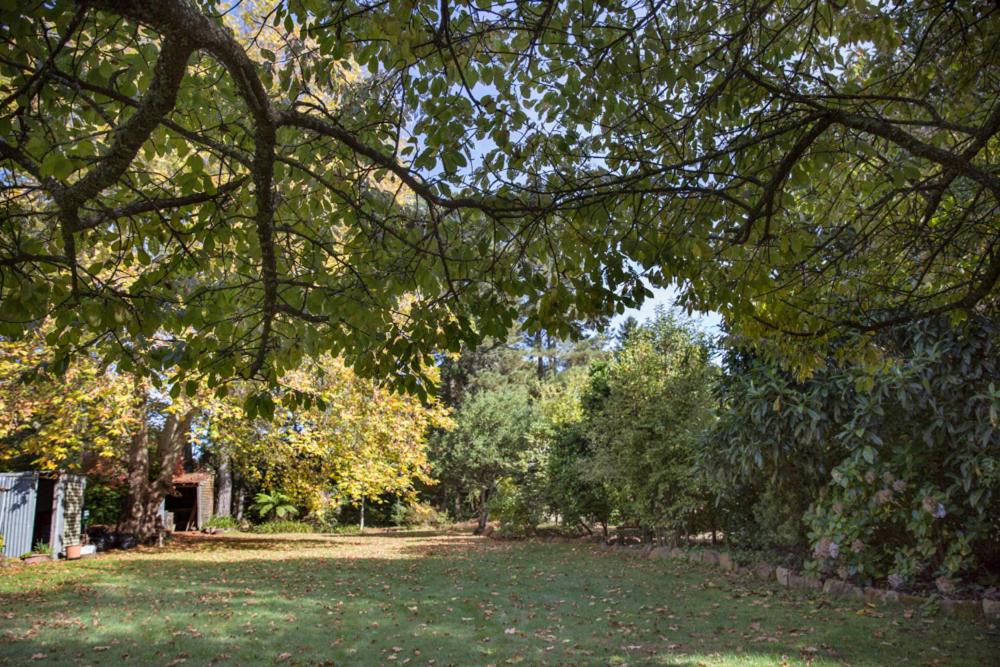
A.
x: 660, y: 552
x: 782, y: 575
x: 991, y: 608
x: 911, y: 600
x: 710, y: 557
x: 677, y: 552
x: 804, y: 583
x: 968, y: 609
x: 726, y: 562
x: 881, y: 596
x: 945, y: 585
x: 842, y: 589
x: 763, y: 571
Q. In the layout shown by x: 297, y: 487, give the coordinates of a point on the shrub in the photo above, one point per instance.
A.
x: 223, y: 522
x: 104, y: 503
x: 888, y: 470
x: 417, y: 514
x: 326, y: 517
x: 284, y: 526
x: 515, y: 508
x: 276, y: 504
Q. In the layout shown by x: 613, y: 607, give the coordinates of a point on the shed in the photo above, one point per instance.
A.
x: 190, y: 505
x: 40, y: 507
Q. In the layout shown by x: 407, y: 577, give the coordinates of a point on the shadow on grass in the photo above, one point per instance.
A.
x: 449, y: 599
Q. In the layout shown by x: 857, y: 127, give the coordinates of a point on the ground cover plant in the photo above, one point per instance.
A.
x: 425, y: 598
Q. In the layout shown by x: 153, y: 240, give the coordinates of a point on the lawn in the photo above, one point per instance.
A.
x: 442, y: 599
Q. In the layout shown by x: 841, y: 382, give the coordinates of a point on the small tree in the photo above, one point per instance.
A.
x: 492, y: 439
x: 647, y: 415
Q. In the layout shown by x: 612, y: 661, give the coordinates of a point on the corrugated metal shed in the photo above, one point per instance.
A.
x: 18, y: 493
x: 46, y: 507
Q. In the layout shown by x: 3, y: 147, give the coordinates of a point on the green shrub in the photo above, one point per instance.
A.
x: 223, y: 522
x: 326, y: 517
x: 886, y: 471
x: 275, y: 504
x: 417, y: 514
x: 284, y: 526
x: 515, y: 508
x: 104, y: 503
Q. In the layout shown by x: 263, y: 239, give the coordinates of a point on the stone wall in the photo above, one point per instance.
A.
x: 968, y: 608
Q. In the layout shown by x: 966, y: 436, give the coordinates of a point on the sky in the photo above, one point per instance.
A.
x: 708, y: 322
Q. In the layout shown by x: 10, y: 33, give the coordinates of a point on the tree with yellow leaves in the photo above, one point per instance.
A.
x: 346, y: 439
x: 59, y: 418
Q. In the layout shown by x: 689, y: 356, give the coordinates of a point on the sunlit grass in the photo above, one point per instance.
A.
x: 442, y: 600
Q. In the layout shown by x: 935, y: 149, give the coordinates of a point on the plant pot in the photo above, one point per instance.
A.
x: 73, y: 551
x: 35, y: 559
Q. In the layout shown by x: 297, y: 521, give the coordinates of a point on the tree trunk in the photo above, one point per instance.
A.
x: 137, y: 475
x: 224, y: 494
x: 188, y: 456
x: 541, y: 359
x: 484, y: 511
x: 142, y: 517
x: 362, y: 514
x: 239, y: 497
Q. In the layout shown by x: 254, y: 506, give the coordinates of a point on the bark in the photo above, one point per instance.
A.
x: 136, y: 478
x: 239, y: 496
x: 541, y: 359
x: 146, y: 490
x: 484, y: 511
x: 224, y: 486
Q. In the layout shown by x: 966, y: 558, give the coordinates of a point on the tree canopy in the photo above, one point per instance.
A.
x: 242, y: 184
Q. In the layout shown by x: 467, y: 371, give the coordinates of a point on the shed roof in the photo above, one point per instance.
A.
x: 193, y: 477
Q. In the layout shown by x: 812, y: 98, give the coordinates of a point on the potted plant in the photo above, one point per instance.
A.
x: 73, y: 551
x: 39, y: 554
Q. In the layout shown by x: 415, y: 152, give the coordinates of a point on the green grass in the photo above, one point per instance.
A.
x: 442, y: 599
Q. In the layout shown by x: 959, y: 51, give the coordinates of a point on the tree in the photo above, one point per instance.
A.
x: 573, y: 491
x: 349, y: 439
x: 491, y: 440
x: 648, y: 412
x: 252, y: 186
x: 53, y: 418
x: 154, y: 452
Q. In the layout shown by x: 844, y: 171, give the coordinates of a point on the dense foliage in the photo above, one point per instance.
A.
x: 251, y: 184
x: 885, y: 471
x: 646, y: 416
x: 584, y: 445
